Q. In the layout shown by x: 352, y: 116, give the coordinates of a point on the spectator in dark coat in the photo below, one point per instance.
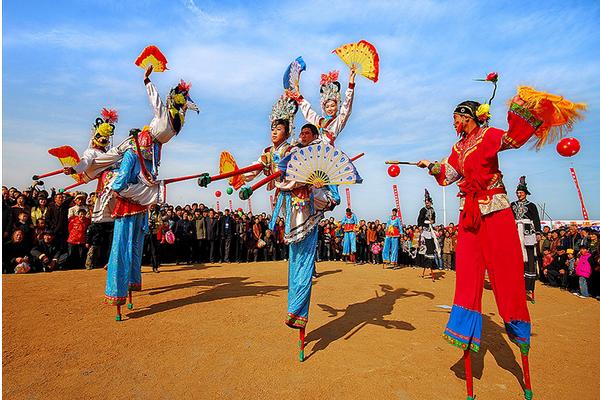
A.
x: 212, y: 235
x: 14, y: 252
x: 48, y: 256
x: 57, y: 219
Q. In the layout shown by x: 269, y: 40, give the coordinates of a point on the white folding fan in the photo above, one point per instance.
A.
x: 321, y: 163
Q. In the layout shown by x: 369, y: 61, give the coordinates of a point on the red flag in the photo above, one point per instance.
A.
x: 583, y: 209
x: 230, y: 205
x: 397, y: 200
x: 218, y: 206
x: 249, y: 205
x: 348, y: 197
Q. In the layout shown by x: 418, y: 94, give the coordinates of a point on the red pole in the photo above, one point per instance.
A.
x: 468, y: 373
x: 74, y: 185
x: 249, y: 205
x: 218, y: 206
x: 230, y: 205
x: 250, y: 168
x: 348, y: 197
x: 47, y: 174
x: 397, y: 200
x: 583, y: 209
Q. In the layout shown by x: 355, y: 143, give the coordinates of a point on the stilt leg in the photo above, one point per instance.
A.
x: 118, y: 316
x: 532, y: 297
x: 527, y: 377
x: 130, y: 304
x: 301, y: 344
x: 468, y: 374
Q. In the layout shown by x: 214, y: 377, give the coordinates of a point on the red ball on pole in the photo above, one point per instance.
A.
x: 568, y: 147
x: 393, y: 170
x: 218, y: 193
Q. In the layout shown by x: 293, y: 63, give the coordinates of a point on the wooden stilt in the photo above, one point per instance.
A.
x: 468, y: 374
x: 301, y: 344
x: 528, y: 392
x: 130, y: 304
x: 118, y: 316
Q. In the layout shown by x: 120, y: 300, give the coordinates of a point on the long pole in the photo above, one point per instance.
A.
x: 444, y: 203
x: 254, y: 167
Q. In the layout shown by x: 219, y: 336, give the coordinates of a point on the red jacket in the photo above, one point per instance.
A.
x: 77, y: 228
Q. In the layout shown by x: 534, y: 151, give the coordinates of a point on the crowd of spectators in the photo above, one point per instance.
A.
x: 48, y: 231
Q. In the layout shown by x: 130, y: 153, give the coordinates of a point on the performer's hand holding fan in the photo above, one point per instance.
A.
x: 152, y: 55
x: 320, y: 165
x: 362, y: 56
x: 68, y: 157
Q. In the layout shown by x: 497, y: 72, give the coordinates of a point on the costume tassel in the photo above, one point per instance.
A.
x: 557, y: 113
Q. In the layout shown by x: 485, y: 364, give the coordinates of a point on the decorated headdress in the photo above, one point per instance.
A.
x: 479, y: 112
x: 428, y: 197
x: 180, y: 95
x: 330, y: 88
x: 285, y: 108
x: 104, y: 127
x: 522, y: 186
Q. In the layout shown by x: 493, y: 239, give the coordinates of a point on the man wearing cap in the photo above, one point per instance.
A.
x: 528, y: 224
x: 557, y: 271
x: 79, y: 205
x: 47, y: 256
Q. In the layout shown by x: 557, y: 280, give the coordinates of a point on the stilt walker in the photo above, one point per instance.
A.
x: 393, y: 230
x: 429, y: 246
x: 487, y: 234
x: 350, y: 224
x: 528, y: 224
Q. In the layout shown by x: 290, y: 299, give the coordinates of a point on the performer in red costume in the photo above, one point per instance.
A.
x: 487, y: 236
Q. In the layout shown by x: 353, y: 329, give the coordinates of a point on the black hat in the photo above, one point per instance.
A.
x: 468, y: 108
x: 522, y: 186
x: 348, y: 210
x: 428, y: 197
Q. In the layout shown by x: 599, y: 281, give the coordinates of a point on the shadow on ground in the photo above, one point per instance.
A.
x: 214, y: 289
x: 355, y: 316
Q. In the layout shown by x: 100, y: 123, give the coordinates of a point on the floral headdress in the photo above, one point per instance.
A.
x: 483, y: 111
x: 330, y: 88
x: 180, y: 95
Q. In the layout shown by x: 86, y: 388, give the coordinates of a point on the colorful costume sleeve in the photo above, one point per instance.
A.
x: 522, y: 124
x: 445, y: 172
x: 86, y: 160
x: 126, y: 174
x: 344, y: 114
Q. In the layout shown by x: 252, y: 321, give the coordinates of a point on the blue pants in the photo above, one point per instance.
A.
x: 349, y: 243
x: 125, y: 262
x: 390, y: 250
x: 301, y: 267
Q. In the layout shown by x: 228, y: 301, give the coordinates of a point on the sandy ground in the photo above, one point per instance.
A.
x: 216, y: 331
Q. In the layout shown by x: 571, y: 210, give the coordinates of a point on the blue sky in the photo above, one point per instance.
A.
x: 63, y: 61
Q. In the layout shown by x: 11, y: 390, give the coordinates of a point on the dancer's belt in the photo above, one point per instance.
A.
x: 472, y: 213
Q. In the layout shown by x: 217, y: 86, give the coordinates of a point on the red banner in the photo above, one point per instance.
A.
x: 218, y: 206
x: 348, y: 197
x: 249, y: 205
x: 397, y: 200
x: 230, y: 205
x: 583, y: 210
x: 272, y: 200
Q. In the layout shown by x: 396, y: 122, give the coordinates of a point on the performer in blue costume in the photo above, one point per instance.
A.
x: 131, y: 220
x: 393, y: 230
x: 349, y: 223
x: 303, y: 206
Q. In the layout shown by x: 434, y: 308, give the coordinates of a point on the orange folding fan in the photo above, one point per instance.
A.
x: 152, y: 55
x: 363, y: 55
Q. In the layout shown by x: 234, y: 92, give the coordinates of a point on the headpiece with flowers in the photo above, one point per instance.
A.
x: 483, y: 111
x: 144, y: 140
x: 104, y: 127
x: 180, y: 95
x: 330, y: 88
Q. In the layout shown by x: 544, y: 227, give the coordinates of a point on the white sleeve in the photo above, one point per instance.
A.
x: 345, y: 111
x: 155, y: 101
x: 86, y: 160
x: 309, y: 114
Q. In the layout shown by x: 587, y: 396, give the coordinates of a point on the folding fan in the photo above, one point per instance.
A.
x: 363, y: 55
x: 227, y: 164
x: 321, y: 163
x: 68, y: 157
x: 151, y: 55
x: 291, y: 77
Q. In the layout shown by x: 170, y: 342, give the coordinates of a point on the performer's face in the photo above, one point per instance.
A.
x: 306, y: 136
x: 521, y: 195
x: 331, y: 108
x: 278, y: 134
x: 460, y: 123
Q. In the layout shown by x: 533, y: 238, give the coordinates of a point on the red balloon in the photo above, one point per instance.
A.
x: 393, y: 170
x: 218, y: 193
x: 568, y: 147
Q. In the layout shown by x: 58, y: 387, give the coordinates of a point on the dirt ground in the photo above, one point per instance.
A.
x: 216, y: 331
